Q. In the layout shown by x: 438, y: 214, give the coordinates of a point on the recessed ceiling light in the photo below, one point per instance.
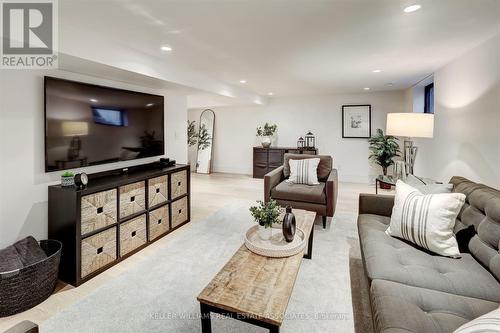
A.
x: 376, y: 70
x: 166, y: 48
x: 149, y: 104
x: 243, y: 81
x: 389, y: 84
x: 366, y: 88
x: 270, y: 93
x: 412, y: 8
x: 93, y: 100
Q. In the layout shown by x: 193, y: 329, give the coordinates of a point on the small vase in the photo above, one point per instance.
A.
x: 67, y: 181
x: 265, y: 233
x: 265, y: 141
x: 289, y: 225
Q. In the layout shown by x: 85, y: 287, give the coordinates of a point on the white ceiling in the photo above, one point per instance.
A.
x: 293, y: 47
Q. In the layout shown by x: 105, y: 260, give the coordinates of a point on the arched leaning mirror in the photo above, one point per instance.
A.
x: 205, y: 142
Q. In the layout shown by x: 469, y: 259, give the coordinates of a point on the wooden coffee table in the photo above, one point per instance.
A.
x: 253, y: 288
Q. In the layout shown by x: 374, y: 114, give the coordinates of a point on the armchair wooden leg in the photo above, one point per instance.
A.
x: 324, y: 222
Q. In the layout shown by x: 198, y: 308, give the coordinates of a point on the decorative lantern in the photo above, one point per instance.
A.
x: 310, y: 140
x: 300, y: 143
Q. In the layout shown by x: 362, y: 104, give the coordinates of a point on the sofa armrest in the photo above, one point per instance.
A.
x: 376, y: 204
x: 271, y: 180
x: 332, y: 190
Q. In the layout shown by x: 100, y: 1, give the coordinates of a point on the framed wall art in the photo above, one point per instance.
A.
x: 356, y: 121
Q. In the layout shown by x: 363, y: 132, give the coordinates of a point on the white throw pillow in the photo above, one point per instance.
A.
x: 426, y: 220
x: 304, y: 171
x: 489, y: 322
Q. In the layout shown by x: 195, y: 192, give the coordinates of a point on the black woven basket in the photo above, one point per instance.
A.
x: 24, y: 288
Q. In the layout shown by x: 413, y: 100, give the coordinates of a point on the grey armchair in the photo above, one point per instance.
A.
x: 321, y: 198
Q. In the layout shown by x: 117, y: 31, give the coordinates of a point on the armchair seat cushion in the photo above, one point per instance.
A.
x: 300, y: 192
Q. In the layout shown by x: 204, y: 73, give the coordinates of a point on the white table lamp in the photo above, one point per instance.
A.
x: 410, y: 125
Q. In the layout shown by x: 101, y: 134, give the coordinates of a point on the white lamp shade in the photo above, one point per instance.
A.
x: 75, y: 128
x: 415, y: 125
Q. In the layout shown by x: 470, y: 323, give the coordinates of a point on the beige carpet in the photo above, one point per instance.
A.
x: 159, y: 294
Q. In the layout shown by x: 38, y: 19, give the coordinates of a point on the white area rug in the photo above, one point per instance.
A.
x: 159, y: 294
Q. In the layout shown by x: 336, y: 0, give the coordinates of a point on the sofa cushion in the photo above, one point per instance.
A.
x: 393, y: 259
x: 300, y: 192
x: 400, y: 308
x: 325, y: 165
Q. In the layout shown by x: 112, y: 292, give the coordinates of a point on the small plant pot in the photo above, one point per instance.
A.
x: 385, y: 186
x: 265, y: 233
x: 265, y: 141
x: 67, y: 181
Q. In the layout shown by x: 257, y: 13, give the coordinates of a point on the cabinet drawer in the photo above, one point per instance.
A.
x: 97, y: 251
x: 179, y: 212
x: 132, y: 234
x: 132, y: 199
x: 158, y: 222
x: 98, y: 210
x: 178, y: 183
x: 157, y: 190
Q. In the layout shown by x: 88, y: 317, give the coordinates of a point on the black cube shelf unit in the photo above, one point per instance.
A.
x: 116, y: 215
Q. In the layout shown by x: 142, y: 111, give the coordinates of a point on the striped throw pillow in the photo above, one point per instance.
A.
x: 426, y: 220
x: 489, y: 322
x: 304, y: 171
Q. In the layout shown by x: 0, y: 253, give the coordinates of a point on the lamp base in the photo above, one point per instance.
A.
x: 409, y: 155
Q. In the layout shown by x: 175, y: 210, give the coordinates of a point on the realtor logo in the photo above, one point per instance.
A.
x: 29, y: 33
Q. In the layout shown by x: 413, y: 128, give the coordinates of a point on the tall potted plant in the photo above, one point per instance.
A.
x: 383, y: 149
x: 266, y: 133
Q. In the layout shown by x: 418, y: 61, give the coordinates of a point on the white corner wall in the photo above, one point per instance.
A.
x: 23, y: 182
x: 235, y: 130
x: 467, y: 119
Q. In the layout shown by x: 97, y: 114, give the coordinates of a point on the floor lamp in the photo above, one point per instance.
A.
x: 410, y: 125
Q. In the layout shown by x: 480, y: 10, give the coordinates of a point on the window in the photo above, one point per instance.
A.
x: 429, y: 98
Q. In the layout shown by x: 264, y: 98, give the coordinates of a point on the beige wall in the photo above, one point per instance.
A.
x: 467, y: 119
x: 235, y: 130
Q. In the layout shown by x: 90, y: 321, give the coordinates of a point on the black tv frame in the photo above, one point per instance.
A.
x: 45, y: 78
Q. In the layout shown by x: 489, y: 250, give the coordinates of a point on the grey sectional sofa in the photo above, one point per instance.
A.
x: 412, y: 290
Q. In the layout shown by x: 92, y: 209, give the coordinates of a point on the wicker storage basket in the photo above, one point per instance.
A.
x: 24, y: 288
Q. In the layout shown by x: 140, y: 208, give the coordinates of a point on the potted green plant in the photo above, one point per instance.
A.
x: 266, y: 214
x: 266, y: 133
x: 67, y: 179
x: 192, y: 136
x: 383, y: 149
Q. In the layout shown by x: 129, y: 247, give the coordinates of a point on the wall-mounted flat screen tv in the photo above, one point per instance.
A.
x: 87, y: 125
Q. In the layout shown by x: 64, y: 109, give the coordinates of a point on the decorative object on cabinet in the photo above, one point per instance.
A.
x: 205, y: 142
x: 116, y: 215
x: 68, y: 179
x: 81, y: 180
x: 300, y: 143
x: 266, y: 133
x: 356, y: 121
x: 310, y: 140
x: 268, y: 159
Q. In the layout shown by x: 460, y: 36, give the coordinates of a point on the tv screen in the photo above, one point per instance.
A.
x: 88, y: 125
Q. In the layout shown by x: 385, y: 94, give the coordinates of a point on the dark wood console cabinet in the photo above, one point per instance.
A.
x: 268, y: 159
x: 116, y: 216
